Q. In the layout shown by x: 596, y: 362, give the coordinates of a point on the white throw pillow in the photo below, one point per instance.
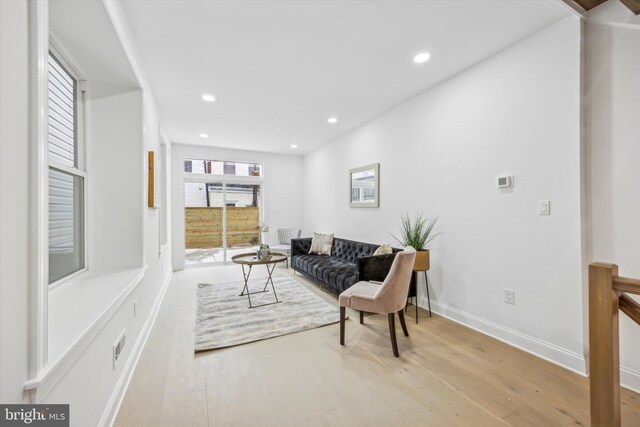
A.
x: 321, y: 244
x: 384, y: 249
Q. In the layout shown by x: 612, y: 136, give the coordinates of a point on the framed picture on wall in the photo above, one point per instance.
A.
x: 364, y: 186
x: 154, y: 180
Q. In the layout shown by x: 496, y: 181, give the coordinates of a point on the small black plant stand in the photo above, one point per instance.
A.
x: 413, y: 291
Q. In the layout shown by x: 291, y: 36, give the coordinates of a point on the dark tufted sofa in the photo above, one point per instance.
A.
x: 350, y: 262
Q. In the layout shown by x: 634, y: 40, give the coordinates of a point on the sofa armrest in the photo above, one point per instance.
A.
x: 300, y: 246
x: 375, y: 267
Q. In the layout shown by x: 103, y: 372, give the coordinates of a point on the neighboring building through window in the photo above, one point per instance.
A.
x: 229, y: 168
x: 218, y: 167
x: 66, y: 173
x: 237, y: 195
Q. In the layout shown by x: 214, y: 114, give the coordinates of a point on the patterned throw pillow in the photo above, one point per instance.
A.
x: 384, y: 249
x: 321, y: 244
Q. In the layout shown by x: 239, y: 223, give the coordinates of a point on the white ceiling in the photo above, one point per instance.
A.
x: 279, y: 69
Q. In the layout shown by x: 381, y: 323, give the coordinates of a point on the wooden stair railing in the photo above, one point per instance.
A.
x: 632, y: 5
x: 606, y: 298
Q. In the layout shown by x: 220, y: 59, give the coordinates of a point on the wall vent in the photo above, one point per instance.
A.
x: 118, y: 347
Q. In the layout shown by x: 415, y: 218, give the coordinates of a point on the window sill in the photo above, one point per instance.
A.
x: 78, y: 310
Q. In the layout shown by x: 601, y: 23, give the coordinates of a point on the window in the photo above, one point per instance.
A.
x: 217, y: 167
x: 66, y: 174
x: 229, y: 168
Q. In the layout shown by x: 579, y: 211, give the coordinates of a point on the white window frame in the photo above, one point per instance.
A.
x: 80, y: 169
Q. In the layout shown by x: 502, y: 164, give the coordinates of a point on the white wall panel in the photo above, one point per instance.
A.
x: 440, y: 153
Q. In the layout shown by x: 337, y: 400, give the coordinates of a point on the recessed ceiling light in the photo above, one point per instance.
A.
x: 421, y: 58
x: 208, y: 98
x: 332, y: 120
x: 204, y: 135
x: 294, y: 146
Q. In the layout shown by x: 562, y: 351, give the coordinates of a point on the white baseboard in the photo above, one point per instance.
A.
x: 565, y: 358
x: 110, y: 412
x: 630, y: 379
x: 550, y: 352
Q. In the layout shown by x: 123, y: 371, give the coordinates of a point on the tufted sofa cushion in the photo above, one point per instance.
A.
x: 350, y: 251
x: 349, y: 262
x: 333, y: 272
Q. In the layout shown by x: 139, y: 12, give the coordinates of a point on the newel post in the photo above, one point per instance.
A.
x: 604, y: 346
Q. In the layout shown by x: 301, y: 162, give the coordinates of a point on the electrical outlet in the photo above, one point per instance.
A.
x: 135, y: 308
x: 510, y: 296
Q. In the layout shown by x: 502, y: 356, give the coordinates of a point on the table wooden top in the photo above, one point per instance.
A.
x: 251, y: 259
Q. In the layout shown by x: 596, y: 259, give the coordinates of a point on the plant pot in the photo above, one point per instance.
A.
x: 421, y: 262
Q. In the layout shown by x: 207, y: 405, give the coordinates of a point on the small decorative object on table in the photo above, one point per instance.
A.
x: 263, y: 253
x: 264, y: 229
x: 417, y: 233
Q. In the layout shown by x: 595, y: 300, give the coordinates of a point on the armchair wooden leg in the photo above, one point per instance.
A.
x: 392, y: 332
x: 362, y: 317
x: 342, y: 316
x: 402, y: 323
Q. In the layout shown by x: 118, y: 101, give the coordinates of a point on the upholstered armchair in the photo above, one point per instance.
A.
x: 284, y: 241
x: 388, y: 298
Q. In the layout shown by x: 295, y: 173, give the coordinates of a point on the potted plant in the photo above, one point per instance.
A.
x: 417, y: 233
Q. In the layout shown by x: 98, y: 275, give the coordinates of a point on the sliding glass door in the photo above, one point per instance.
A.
x: 242, y: 218
x: 221, y: 219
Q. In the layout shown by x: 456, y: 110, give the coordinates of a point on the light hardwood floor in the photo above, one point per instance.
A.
x: 447, y: 375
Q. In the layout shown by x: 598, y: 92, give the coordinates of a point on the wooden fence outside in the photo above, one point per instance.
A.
x: 203, y: 227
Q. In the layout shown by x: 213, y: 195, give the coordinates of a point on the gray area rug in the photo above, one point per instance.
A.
x: 224, y: 318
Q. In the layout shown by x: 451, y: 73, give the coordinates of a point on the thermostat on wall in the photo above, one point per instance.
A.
x: 505, y: 181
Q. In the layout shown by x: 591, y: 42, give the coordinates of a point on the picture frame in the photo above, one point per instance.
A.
x: 364, y: 186
x: 154, y: 189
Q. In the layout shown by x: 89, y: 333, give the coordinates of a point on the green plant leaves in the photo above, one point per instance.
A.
x: 416, y: 233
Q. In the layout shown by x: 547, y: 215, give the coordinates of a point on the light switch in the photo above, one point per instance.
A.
x: 544, y: 207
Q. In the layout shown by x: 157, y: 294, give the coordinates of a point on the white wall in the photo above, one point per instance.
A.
x: 613, y: 129
x: 518, y: 113
x: 88, y: 382
x: 282, y: 190
x: 14, y: 193
x: 119, y: 199
x: 113, y: 162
